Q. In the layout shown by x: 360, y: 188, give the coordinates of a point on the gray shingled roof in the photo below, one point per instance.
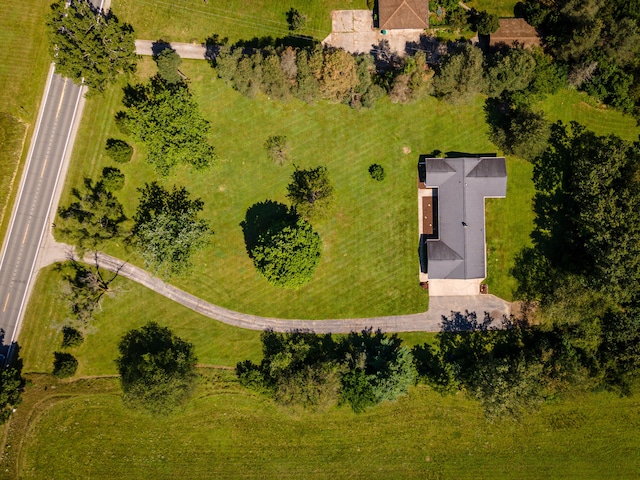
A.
x: 463, y: 184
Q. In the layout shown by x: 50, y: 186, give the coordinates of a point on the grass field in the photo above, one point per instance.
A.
x: 227, y: 432
x: 24, y: 61
x: 369, y: 265
x: 195, y: 20
x: 502, y: 8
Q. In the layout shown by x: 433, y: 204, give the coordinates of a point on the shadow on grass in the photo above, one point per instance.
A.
x: 261, y: 217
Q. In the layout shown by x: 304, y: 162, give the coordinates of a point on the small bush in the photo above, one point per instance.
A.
x: 119, y: 150
x: 277, y: 148
x: 112, y: 179
x: 296, y: 20
x: 64, y: 364
x: 377, y: 172
x: 71, y: 337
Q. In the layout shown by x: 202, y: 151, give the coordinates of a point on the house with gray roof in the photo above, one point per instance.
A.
x: 452, y: 193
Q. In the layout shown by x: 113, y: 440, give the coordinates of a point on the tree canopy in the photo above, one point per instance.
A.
x: 460, y: 76
x: 311, y: 192
x: 167, y: 231
x: 90, y: 45
x: 166, y: 118
x: 287, y: 253
x: 301, y: 368
x: 95, y: 216
x: 157, y: 368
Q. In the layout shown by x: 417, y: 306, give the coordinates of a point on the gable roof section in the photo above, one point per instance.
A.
x: 463, y: 184
x: 515, y: 30
x: 403, y: 14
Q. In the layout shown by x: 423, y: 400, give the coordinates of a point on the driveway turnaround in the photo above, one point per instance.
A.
x: 429, y: 321
x: 52, y: 141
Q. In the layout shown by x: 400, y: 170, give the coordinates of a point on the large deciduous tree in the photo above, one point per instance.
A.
x: 287, y: 253
x: 94, y: 217
x: 460, y: 76
x: 88, y: 44
x: 166, y: 118
x: 157, y: 368
x: 311, y: 192
x: 167, y: 230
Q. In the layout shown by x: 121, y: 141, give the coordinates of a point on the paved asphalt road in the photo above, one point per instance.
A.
x: 35, y: 197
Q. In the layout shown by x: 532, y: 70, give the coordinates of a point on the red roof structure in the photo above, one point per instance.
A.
x: 513, y: 30
x: 403, y: 14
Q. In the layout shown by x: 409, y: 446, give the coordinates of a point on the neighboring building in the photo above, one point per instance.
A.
x: 403, y: 14
x: 452, y: 227
x: 514, y: 30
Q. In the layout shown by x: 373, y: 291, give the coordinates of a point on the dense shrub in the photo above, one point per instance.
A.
x: 112, y: 179
x: 71, y: 337
x: 119, y: 150
x: 377, y: 172
x: 64, y: 364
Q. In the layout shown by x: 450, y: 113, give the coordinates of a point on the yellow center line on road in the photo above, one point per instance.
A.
x: 25, y: 234
x: 64, y: 87
x: 44, y: 166
x: 6, y: 302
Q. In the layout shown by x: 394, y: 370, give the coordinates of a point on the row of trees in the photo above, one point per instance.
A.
x: 359, y: 369
x: 89, y: 45
x: 598, y: 41
x: 583, y: 267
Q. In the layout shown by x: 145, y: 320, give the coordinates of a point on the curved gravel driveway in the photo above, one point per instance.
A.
x: 420, y: 322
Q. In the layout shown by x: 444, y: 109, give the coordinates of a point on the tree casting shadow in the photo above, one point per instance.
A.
x: 261, y: 217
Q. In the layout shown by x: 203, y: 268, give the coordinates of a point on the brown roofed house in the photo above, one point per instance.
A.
x: 403, y: 14
x: 513, y: 30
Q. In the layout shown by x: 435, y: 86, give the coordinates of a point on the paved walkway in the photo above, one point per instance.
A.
x: 185, y: 50
x: 420, y: 322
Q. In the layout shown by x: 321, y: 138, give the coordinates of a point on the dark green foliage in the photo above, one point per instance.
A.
x: 167, y: 119
x: 376, y: 172
x: 88, y: 44
x: 485, y: 23
x: 548, y: 76
x: 311, y: 192
x: 168, y: 62
x: 119, y: 150
x: 611, y: 84
x: 157, y: 369
x: 277, y: 148
x: 275, y: 83
x: 509, y: 370
x: 510, y: 71
x: 296, y: 20
x: 300, y: 368
x: 386, y: 365
x: 308, y: 74
x: 457, y: 17
x: 71, y: 337
x: 460, y: 76
x: 598, y: 42
x: 287, y: 254
x: 112, y: 179
x: 94, y: 217
x: 583, y: 267
x: 167, y: 231
x: 11, y: 386
x: 64, y: 365
x: 516, y: 128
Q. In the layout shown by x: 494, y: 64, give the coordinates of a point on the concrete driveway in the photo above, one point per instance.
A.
x: 352, y: 30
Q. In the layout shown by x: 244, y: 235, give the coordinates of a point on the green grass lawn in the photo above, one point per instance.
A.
x: 24, y: 61
x: 195, y: 20
x: 228, y: 432
x: 502, y: 8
